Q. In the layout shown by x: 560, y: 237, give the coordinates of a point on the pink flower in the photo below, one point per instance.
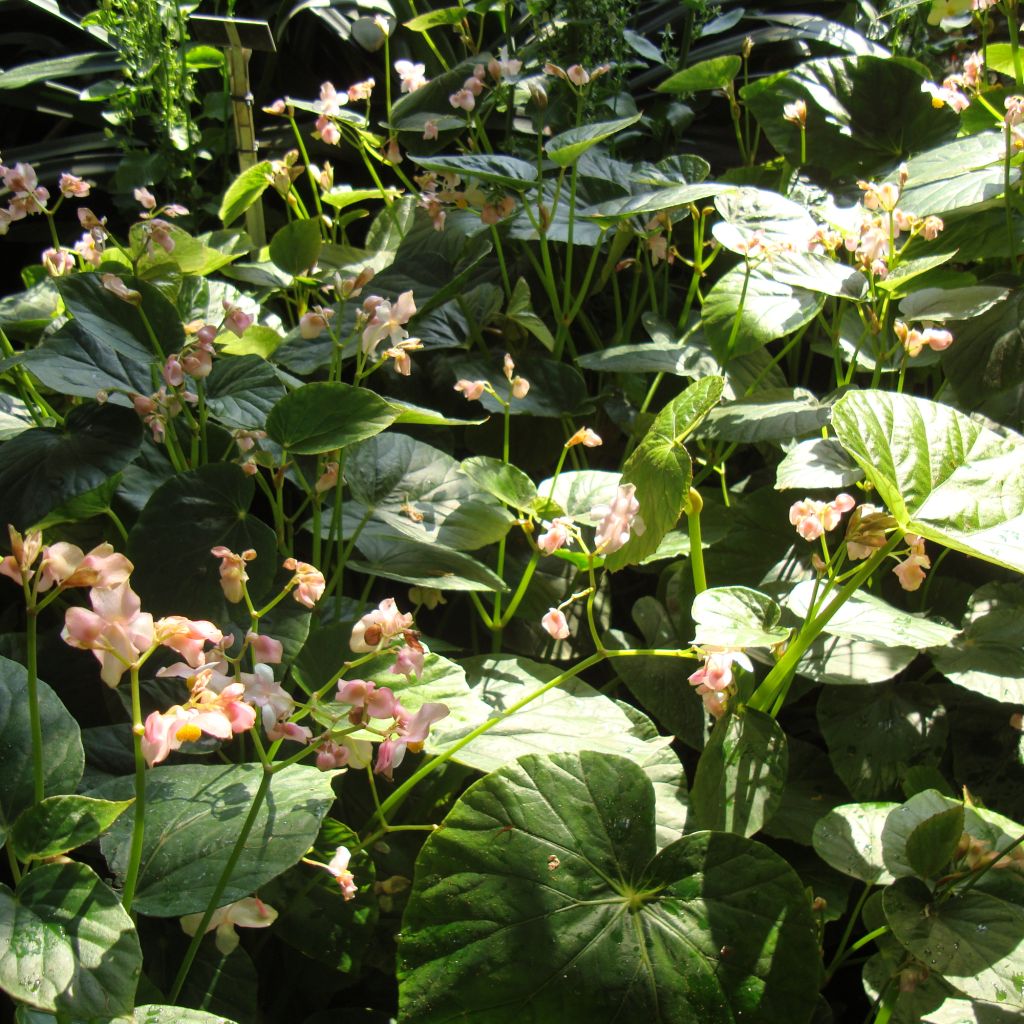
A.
x: 412, y: 734
x: 813, y: 518
x: 331, y: 755
x: 378, y: 626
x: 463, y: 100
x: 361, y: 90
x: 586, y: 437
x: 145, y: 198
x: 174, y: 375
x: 235, y: 320
x: 328, y: 479
x: 338, y: 867
x: 471, y: 389
x: 386, y: 321
x: 910, y: 572
x: 930, y: 228
x: 309, y: 582
x: 411, y: 75
x: 618, y: 520
x: 557, y: 536
x: 577, y: 75
x: 58, y: 262
x: 66, y: 565
x: 117, y: 631
x: 795, y: 112
x: 714, y: 679
x: 17, y: 566
x: 265, y: 649
x: 429, y: 130
x: 331, y: 101
x: 114, y: 284
x: 555, y: 623
x: 504, y: 66
x: 264, y: 692
x: 290, y: 731
x: 248, y: 913
x: 314, y: 323
x: 520, y: 387
x: 187, y: 636
x: 914, y: 341
x: 87, y: 248
x: 409, y: 659
x: 197, y: 363
x: 329, y: 132
x: 233, y: 576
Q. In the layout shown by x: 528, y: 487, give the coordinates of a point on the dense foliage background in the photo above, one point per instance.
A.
x: 540, y: 540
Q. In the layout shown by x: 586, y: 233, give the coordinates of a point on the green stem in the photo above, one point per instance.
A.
x: 734, y: 333
x: 424, y: 770
x: 524, y: 582
x: 154, y: 341
x: 842, y: 951
x: 222, y: 882
x: 139, y: 820
x: 31, y: 672
x: 778, y: 680
x: 694, y: 505
x: 1007, y: 193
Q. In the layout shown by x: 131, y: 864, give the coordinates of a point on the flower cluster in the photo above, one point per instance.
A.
x: 330, y: 103
x: 955, y: 88
x: 473, y: 390
x: 28, y: 196
x: 406, y: 731
x: 385, y: 319
x: 914, y: 341
x: 713, y: 681
x: 618, y: 520
x: 813, y: 518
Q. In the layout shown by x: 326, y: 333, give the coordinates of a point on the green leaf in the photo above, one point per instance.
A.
x: 869, y: 618
x: 988, y: 655
x: 62, y: 823
x: 506, y: 482
x: 432, y: 19
x: 344, y: 195
x: 67, y: 944
x: 819, y: 273
x: 43, y: 468
x: 578, y: 491
x: 769, y: 310
x: 241, y: 392
x: 507, y: 171
x: 63, y: 759
x: 741, y: 774
x: 57, y: 68
x: 773, y: 414
x: 324, y: 416
x: 403, y: 486
x: 895, y: 282
x: 160, y: 1014
x: 520, y: 311
x: 840, y: 661
x: 567, y: 147
x: 645, y: 203
x: 675, y: 357
x: 749, y: 210
x: 541, y: 898
x: 972, y: 940
x: 193, y: 815
x: 257, y: 340
x: 423, y: 565
x: 295, y: 247
x: 736, y: 617
x: 920, y: 837
x: 817, y: 464
x: 874, y: 733
x: 812, y: 790
x: 661, y: 469
x: 849, y: 838
x: 935, y: 469
x: 175, y: 574
x: 244, y: 191
x: 952, y: 303
x: 864, y: 114
x: 703, y: 76
x: 93, y: 503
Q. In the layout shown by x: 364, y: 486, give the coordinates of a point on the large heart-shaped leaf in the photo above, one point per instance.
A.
x: 45, y: 467
x: 849, y: 838
x: 175, y: 574
x: 943, y: 475
x: 327, y: 415
x: 508, y: 171
x: 67, y: 944
x: 567, y: 147
x: 63, y: 758
x: 737, y: 617
x: 541, y: 899
x: 241, y: 392
x: 661, y: 469
x: 193, y: 816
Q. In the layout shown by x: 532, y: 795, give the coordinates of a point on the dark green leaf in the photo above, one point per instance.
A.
x: 296, y: 246
x: 67, y: 944
x: 541, y: 898
x: 324, y: 416
x: 241, y: 392
x: 245, y: 190
x: 741, y: 774
x: 567, y: 147
x: 193, y: 816
x: 849, y: 838
x: 62, y: 823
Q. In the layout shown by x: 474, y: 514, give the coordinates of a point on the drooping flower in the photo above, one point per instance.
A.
x: 248, y: 913
x: 233, y: 576
x: 555, y: 623
x: 412, y: 75
x: 309, y: 582
x: 338, y: 867
x: 66, y: 565
x: 235, y: 320
x: 409, y: 658
x: 114, y: 284
x: 586, y: 437
x: 618, y: 520
x: 813, y: 518
x: 58, y: 262
x: 412, y: 734
x: 556, y: 536
x: 186, y: 636
x: 910, y: 572
x: 713, y: 681
x: 915, y: 341
x: 471, y: 389
x: 314, y: 323
x: 145, y: 198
